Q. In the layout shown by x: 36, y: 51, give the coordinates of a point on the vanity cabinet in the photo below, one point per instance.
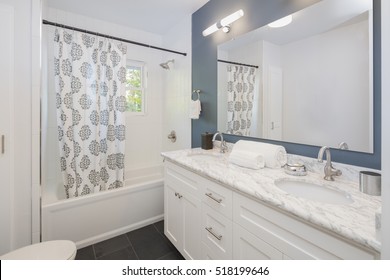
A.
x: 206, y: 220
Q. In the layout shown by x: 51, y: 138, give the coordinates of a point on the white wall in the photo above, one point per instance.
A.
x: 177, y: 87
x: 338, y: 53
x: 143, y: 133
x: 385, y: 129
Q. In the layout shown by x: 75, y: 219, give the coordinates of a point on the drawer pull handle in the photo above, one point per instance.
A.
x: 210, y: 230
x: 210, y: 195
x: 178, y: 195
x: 2, y: 144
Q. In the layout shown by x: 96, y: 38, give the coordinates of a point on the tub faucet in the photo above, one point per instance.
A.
x: 224, y: 147
x: 329, y: 170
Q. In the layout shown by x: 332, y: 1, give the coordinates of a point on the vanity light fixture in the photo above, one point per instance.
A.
x: 226, y: 29
x: 223, y: 23
x: 281, y: 22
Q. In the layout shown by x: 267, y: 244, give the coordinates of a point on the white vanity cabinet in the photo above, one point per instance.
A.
x: 206, y: 220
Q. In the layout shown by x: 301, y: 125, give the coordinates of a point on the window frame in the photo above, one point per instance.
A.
x: 142, y: 66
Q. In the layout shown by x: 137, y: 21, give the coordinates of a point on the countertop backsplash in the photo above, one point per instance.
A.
x: 349, y: 172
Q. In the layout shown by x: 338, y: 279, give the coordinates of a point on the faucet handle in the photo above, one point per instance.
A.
x: 336, y: 172
x: 224, y: 147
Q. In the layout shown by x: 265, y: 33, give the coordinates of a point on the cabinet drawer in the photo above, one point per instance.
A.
x: 182, y: 179
x: 217, y: 232
x: 247, y: 246
x: 217, y: 197
x: 208, y: 254
x: 294, y: 238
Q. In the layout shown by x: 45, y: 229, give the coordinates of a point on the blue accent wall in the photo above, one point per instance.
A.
x: 259, y: 13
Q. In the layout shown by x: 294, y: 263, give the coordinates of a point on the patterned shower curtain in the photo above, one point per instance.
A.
x: 90, y: 77
x: 241, y: 83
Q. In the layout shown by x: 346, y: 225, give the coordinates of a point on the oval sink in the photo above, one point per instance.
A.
x: 315, y: 192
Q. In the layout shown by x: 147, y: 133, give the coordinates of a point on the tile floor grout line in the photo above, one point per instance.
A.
x: 119, y: 249
x: 160, y: 258
x: 94, y: 252
x: 162, y: 234
x: 132, y: 247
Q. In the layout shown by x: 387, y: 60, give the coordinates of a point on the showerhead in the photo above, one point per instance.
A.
x: 166, y: 64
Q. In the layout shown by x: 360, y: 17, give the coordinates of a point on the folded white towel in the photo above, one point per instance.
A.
x: 275, y: 156
x: 195, y: 109
x: 247, y: 159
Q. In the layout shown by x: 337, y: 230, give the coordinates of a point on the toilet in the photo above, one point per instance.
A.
x: 48, y: 250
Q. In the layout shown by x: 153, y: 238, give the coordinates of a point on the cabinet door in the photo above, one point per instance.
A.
x: 191, y: 225
x: 182, y: 221
x: 6, y: 134
x: 173, y: 216
x: 247, y: 246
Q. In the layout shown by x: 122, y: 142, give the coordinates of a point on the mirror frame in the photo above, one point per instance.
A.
x: 257, y: 14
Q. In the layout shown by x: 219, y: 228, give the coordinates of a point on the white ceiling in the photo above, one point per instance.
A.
x: 156, y: 16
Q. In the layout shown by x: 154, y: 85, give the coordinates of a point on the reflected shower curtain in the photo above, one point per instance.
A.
x: 241, y: 83
x: 90, y: 77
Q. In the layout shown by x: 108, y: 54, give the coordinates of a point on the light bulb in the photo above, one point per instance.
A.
x: 281, y: 22
x: 210, y: 30
x: 232, y: 18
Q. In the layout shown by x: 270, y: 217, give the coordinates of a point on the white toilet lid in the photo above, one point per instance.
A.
x: 49, y: 250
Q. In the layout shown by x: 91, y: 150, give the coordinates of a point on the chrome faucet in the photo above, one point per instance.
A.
x: 329, y: 170
x: 224, y: 147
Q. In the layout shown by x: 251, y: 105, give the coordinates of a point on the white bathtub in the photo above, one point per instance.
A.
x: 97, y: 217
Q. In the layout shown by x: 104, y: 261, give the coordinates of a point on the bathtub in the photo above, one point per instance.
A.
x: 100, y: 216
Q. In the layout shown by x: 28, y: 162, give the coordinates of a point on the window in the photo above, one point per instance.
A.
x: 135, y: 87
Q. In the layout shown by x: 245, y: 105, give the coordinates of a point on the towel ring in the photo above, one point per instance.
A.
x: 197, y: 91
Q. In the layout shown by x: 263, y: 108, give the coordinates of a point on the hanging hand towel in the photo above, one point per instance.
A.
x: 247, y: 159
x: 274, y: 156
x: 195, y: 109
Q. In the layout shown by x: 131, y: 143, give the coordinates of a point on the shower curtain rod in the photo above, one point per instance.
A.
x: 110, y: 37
x: 237, y: 63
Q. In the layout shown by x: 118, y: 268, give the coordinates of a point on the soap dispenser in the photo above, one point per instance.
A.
x: 207, y: 143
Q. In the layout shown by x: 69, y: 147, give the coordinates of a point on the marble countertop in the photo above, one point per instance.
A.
x: 354, y: 221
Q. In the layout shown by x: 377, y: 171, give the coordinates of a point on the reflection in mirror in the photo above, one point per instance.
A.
x: 314, y: 81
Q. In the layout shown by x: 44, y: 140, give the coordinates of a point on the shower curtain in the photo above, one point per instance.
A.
x: 241, y: 83
x: 90, y: 78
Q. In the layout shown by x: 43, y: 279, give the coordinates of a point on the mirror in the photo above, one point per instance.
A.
x: 314, y: 81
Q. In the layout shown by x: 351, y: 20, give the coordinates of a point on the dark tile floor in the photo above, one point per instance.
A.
x: 147, y: 243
